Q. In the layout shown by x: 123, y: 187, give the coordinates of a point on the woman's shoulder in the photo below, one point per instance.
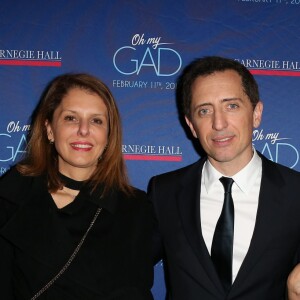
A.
x: 11, y: 177
x: 137, y: 195
x: 138, y: 192
x: 13, y: 183
x: 138, y: 199
x: 133, y: 197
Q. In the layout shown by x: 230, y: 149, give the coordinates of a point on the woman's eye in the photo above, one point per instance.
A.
x: 97, y: 121
x: 69, y: 118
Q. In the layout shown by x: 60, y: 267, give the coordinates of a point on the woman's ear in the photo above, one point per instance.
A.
x: 49, y: 131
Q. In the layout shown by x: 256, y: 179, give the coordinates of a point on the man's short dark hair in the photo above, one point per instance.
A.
x: 207, y: 66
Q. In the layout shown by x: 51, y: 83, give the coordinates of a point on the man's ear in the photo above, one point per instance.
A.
x: 257, y: 114
x: 190, y: 124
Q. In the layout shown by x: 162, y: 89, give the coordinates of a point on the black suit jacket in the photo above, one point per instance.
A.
x: 114, y: 262
x: 274, y: 246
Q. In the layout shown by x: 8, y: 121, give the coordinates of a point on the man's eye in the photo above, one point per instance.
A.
x: 203, y: 112
x: 233, y: 106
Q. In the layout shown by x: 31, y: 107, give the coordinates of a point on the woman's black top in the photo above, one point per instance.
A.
x: 37, y: 239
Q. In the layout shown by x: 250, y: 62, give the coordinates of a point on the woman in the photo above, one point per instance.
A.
x: 293, y: 284
x: 71, y: 227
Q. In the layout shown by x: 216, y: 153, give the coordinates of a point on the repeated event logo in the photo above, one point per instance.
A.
x: 270, y: 2
x: 271, y: 144
x: 146, y: 56
x: 271, y: 67
x: 152, y: 152
x: 13, y: 144
x: 276, y: 148
x: 14, y: 140
x: 34, y: 58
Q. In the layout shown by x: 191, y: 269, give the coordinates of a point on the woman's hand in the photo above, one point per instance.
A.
x: 293, y: 284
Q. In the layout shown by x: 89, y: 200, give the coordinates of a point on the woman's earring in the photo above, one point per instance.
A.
x: 100, y: 157
x: 51, y: 142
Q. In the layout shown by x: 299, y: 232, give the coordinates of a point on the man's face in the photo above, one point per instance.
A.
x: 222, y: 118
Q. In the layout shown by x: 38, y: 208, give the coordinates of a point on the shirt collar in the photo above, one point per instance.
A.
x: 244, y: 179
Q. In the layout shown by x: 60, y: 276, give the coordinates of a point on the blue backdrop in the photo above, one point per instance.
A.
x: 139, y: 48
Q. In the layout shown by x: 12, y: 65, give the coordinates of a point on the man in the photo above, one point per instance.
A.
x: 220, y: 102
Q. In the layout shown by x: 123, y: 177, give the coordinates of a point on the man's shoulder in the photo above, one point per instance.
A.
x: 274, y: 169
x: 177, y: 174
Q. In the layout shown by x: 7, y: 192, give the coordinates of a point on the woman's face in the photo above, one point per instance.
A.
x: 79, y: 130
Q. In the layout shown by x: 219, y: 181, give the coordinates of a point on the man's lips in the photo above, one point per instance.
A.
x: 222, y: 139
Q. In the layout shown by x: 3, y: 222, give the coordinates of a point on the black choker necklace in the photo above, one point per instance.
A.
x: 71, y: 183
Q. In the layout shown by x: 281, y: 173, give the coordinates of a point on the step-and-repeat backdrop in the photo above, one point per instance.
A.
x: 138, y: 48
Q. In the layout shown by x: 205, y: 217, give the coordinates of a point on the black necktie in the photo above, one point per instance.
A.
x: 222, y: 244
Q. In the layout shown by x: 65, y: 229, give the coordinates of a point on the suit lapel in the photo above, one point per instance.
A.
x: 188, y: 201
x: 269, y: 209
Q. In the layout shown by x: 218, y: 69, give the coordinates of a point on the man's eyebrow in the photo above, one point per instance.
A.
x: 202, y: 104
x: 231, y: 99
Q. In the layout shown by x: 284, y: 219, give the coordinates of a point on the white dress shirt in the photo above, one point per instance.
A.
x: 245, y: 193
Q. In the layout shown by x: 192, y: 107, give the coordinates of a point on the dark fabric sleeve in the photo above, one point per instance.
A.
x: 157, y: 246
x: 7, y: 209
x: 142, y: 248
x: 6, y: 270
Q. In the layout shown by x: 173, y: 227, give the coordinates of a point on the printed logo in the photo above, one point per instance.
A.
x: 14, y: 141
x: 13, y: 144
x: 270, y: 2
x: 152, y: 152
x: 276, y: 148
x: 271, y: 67
x: 34, y: 58
x: 146, y: 56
